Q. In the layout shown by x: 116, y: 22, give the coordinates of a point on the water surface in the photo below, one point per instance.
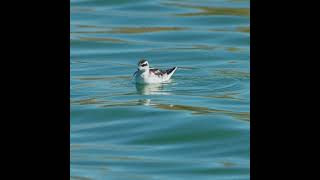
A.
x: 195, y: 127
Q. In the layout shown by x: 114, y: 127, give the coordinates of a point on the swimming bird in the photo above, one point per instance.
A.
x: 147, y: 75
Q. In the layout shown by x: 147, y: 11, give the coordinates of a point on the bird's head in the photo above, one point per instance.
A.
x: 143, y: 65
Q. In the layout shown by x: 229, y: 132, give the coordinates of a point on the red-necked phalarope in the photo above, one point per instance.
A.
x: 147, y: 75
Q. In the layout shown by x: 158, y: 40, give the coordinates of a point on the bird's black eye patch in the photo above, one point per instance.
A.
x: 143, y: 65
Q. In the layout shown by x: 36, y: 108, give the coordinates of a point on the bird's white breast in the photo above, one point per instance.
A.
x: 149, y: 78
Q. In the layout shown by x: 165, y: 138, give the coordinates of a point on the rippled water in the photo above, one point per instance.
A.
x: 195, y: 127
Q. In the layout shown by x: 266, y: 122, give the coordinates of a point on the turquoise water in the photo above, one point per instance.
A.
x: 195, y: 127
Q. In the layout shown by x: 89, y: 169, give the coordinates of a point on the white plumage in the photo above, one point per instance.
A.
x: 147, y: 75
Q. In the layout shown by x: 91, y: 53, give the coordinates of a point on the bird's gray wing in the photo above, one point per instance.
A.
x: 157, y: 72
x: 168, y: 71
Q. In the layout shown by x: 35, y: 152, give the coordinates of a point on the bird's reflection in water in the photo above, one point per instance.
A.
x: 151, y: 89
x: 145, y: 102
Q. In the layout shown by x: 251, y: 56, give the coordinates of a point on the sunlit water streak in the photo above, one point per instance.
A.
x: 196, y: 126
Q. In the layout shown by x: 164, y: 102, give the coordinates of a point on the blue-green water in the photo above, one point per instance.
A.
x: 197, y: 126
